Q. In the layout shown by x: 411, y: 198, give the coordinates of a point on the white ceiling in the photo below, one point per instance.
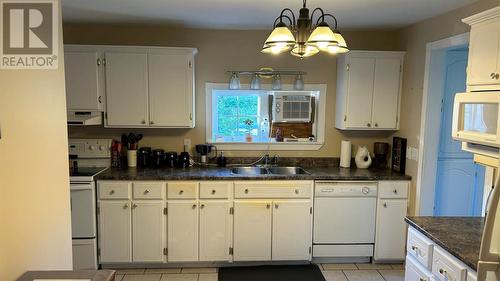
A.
x: 254, y: 14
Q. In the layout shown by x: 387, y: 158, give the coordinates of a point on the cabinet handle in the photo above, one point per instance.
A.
x: 268, y: 206
x: 385, y: 205
x: 181, y: 191
x: 497, y: 76
x: 492, y: 75
x: 125, y: 206
x: 191, y: 116
x: 213, y: 191
x: 276, y: 206
x: 98, y: 62
x: 368, y: 125
x: 414, y: 248
x: 202, y: 206
x: 194, y: 206
x: 146, y: 191
x: 395, y: 191
x: 422, y: 279
x: 112, y: 192
x: 134, y: 206
x: 151, y: 122
x: 376, y: 124
x: 246, y: 191
x: 442, y: 272
x: 296, y: 191
x: 143, y: 122
x: 99, y: 99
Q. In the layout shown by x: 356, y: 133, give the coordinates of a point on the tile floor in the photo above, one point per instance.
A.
x: 331, y: 272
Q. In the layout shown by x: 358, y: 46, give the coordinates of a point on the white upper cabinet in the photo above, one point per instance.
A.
x: 84, y: 71
x: 171, y: 90
x: 483, y: 71
x: 126, y: 89
x: 368, y: 90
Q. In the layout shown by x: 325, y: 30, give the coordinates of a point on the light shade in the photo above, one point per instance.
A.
x: 298, y: 84
x: 276, y: 82
x: 255, y: 84
x: 304, y: 51
x: 322, y: 37
x: 234, y: 83
x: 280, y: 40
x: 341, y: 47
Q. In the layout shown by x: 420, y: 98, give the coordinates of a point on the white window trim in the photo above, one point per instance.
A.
x: 281, y: 146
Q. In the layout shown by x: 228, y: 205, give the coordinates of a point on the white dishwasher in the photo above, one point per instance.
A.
x: 344, y: 219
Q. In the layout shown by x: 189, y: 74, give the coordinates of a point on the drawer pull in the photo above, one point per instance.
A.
x: 276, y: 206
x: 134, y: 206
x: 246, y: 191
x: 213, y: 191
x: 146, y: 191
x: 395, y: 191
x: 423, y: 279
x: 125, y: 206
x: 181, y: 191
x: 296, y: 191
x: 268, y: 206
x: 194, y: 206
x: 414, y: 248
x: 202, y: 206
x: 385, y: 205
x: 442, y: 272
x: 112, y: 192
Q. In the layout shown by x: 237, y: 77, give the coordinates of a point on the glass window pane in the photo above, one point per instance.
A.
x: 227, y: 105
x: 227, y: 126
x: 248, y: 104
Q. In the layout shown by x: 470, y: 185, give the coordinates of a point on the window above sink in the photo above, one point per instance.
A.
x: 243, y: 119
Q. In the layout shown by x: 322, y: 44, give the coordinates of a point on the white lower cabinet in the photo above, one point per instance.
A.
x: 115, y: 231
x: 182, y: 228
x: 215, y: 231
x: 252, y: 230
x: 148, y: 231
x: 415, y: 272
x: 292, y: 233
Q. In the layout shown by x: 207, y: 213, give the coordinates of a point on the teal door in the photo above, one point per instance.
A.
x: 459, y: 181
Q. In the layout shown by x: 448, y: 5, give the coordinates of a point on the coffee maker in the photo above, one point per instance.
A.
x: 204, y: 150
x: 381, y: 150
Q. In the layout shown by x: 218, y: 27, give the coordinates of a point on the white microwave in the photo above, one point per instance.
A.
x: 296, y: 106
x: 476, y: 118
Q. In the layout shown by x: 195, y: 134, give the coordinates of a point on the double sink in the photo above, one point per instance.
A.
x: 251, y: 171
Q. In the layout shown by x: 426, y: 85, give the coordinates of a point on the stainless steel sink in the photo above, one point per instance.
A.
x: 288, y: 171
x: 249, y: 171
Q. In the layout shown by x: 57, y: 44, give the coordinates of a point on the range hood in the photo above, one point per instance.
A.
x: 84, y: 118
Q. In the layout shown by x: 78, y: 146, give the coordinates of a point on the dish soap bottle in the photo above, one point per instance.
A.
x: 221, y: 160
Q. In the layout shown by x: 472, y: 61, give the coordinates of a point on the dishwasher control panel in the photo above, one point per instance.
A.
x: 345, y: 189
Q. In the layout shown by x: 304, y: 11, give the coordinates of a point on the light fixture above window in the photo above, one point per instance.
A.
x: 302, y: 37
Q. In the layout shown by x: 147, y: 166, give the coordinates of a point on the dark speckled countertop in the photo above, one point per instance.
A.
x: 202, y: 173
x: 460, y: 236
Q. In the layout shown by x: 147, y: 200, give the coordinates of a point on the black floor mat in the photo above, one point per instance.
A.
x: 309, y: 272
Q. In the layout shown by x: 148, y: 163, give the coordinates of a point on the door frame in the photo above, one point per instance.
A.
x: 434, y: 77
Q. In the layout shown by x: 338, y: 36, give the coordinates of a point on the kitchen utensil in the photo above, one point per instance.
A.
x: 132, y: 158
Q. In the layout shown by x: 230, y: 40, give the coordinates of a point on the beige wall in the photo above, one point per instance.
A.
x: 413, y: 40
x: 222, y: 50
x: 35, y: 221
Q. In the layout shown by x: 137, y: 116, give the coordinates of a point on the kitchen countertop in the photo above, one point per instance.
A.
x: 215, y: 173
x: 460, y: 236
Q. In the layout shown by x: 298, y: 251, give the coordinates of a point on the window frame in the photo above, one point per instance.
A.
x: 320, y: 120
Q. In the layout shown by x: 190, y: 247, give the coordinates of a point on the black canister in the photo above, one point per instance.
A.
x: 144, y: 157
x: 183, y: 160
x: 171, y: 159
x: 158, y: 156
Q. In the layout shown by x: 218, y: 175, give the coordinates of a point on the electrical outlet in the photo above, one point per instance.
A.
x: 408, y: 152
x: 187, y: 144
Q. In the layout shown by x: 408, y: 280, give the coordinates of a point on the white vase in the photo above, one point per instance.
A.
x: 132, y: 158
x: 363, y: 159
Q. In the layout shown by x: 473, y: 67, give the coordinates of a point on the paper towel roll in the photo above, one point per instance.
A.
x: 345, y: 154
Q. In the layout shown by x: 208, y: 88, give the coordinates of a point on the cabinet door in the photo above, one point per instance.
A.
x: 126, y: 90
x: 148, y: 231
x: 292, y: 234
x: 252, y: 231
x: 386, y: 93
x: 483, y: 54
x: 182, y: 231
x: 414, y: 271
x: 171, y: 90
x: 360, y: 92
x: 83, y: 74
x: 390, y: 237
x: 215, y: 231
x: 115, y: 231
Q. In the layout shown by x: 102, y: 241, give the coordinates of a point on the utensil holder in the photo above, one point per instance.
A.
x: 132, y: 158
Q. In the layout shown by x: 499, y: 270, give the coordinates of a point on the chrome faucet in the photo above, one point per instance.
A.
x: 266, y: 160
x: 275, y: 160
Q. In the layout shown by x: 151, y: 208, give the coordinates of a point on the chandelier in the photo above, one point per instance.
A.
x: 302, y: 37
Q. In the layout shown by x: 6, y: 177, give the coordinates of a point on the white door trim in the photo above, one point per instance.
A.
x: 431, y: 48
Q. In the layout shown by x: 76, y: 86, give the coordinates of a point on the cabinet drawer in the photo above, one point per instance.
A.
x: 420, y: 248
x: 215, y: 190
x: 149, y: 190
x: 272, y: 190
x: 414, y: 271
x: 114, y: 190
x: 182, y: 190
x: 446, y: 267
x: 393, y: 189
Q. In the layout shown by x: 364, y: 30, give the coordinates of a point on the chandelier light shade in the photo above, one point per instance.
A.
x: 303, y: 36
